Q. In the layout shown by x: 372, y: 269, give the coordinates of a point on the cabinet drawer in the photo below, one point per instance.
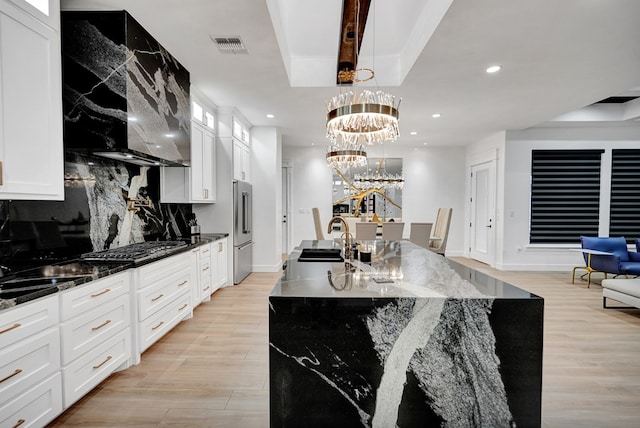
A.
x: 35, y: 407
x: 156, y: 296
x: 28, y: 318
x: 157, y: 271
x: 159, y: 324
x: 205, y: 251
x: 28, y: 362
x: 84, y: 332
x: 205, y: 289
x: 86, y: 372
x: 89, y: 296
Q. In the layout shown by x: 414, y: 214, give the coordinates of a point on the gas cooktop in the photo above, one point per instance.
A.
x: 136, y: 253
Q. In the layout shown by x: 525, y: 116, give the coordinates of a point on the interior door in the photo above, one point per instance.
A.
x: 286, y: 209
x: 482, y: 215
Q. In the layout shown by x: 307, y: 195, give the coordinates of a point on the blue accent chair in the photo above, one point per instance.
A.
x: 609, y: 255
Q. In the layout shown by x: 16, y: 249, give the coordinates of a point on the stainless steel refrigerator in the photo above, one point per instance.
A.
x: 242, y: 239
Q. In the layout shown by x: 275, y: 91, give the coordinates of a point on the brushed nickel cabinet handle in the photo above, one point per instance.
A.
x: 1, y: 174
x: 205, y: 269
x: 205, y: 288
x: 16, y: 372
x: 20, y: 422
x: 219, y: 247
x: 101, y: 325
x: 158, y: 326
x: 182, y: 307
x: 156, y: 298
x: 101, y: 293
x: 183, y: 283
x: 103, y: 363
x: 16, y: 325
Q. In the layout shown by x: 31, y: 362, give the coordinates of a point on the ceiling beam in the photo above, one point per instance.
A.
x: 354, y: 20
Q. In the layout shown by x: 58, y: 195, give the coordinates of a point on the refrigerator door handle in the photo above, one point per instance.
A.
x: 246, y: 219
x: 248, y: 244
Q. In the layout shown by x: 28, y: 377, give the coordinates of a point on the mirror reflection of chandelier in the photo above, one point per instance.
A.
x: 379, y: 179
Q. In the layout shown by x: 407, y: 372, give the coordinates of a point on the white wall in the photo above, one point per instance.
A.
x: 434, y: 178
x: 266, y: 177
x: 517, y: 253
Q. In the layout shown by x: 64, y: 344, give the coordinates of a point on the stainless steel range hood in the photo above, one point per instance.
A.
x: 125, y: 96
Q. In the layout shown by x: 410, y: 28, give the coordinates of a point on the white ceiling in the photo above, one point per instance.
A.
x: 557, y: 56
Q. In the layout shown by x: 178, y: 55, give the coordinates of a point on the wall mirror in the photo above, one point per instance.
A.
x: 368, y: 190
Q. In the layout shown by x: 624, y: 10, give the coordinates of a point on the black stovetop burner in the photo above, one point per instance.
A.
x: 136, y: 253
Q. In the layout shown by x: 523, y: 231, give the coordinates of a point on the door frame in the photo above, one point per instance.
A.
x: 287, y: 173
x: 490, y: 163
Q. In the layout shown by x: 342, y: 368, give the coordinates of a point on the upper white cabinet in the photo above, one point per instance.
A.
x: 241, y: 151
x: 31, y: 148
x: 197, y: 183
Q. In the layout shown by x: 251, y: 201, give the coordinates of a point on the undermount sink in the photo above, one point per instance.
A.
x: 320, y: 255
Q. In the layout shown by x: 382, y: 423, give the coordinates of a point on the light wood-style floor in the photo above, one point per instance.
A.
x: 212, y: 370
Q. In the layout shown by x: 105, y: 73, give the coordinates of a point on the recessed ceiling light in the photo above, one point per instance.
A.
x: 424, y: 144
x: 494, y: 69
x: 270, y: 116
x: 413, y: 133
x: 436, y: 115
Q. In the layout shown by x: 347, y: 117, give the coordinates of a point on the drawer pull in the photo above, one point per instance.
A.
x: 156, y: 298
x: 206, y: 288
x: 195, y: 251
x: 182, y: 307
x: 101, y: 325
x: 183, y: 283
x: 20, y: 422
x: 219, y: 247
x: 158, y: 326
x: 16, y: 325
x: 101, y: 293
x: 205, y: 269
x: 16, y: 372
x: 103, y: 363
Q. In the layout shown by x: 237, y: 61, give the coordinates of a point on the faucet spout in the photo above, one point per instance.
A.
x: 347, y: 234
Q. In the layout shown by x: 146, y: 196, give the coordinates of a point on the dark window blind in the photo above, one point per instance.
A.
x: 625, y: 194
x: 565, y: 195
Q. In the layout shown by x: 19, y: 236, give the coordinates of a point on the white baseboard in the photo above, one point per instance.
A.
x: 536, y: 267
x: 267, y: 268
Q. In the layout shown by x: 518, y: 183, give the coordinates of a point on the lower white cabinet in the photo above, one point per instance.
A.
x: 207, y: 272
x: 221, y: 255
x: 95, y: 334
x: 35, y: 407
x: 30, y: 383
x: 163, y: 298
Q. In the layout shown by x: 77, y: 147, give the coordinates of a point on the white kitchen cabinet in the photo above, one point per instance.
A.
x: 221, y: 254
x: 207, y: 272
x: 95, y: 333
x: 241, y: 161
x: 30, y: 102
x: 163, y: 297
x: 30, y: 386
x: 195, y: 276
x: 197, y: 183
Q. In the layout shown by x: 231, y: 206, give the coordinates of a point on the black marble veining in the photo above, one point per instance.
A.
x: 411, y: 339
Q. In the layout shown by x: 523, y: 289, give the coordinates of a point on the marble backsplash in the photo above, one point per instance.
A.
x: 107, y: 204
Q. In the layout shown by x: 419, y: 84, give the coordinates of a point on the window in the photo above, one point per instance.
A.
x: 565, y: 195
x: 625, y: 194
x: 197, y: 112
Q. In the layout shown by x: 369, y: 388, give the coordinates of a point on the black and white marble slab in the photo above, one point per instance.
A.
x: 122, y: 89
x: 437, y: 345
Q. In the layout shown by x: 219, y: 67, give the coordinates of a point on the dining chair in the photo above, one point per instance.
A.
x: 420, y: 234
x: 318, y: 224
x: 392, y: 230
x: 441, y: 231
x: 366, y: 231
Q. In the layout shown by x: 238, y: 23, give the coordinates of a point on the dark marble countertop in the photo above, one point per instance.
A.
x: 30, y: 284
x: 397, y: 269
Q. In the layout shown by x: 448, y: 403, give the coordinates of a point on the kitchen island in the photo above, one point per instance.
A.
x: 411, y: 339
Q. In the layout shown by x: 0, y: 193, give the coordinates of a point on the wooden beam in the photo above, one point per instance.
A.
x: 354, y: 20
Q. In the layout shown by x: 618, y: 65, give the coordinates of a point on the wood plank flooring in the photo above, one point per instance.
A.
x: 212, y: 370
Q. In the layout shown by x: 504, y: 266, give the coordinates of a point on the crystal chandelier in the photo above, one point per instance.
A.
x: 343, y: 156
x: 363, y: 117
x: 360, y: 117
x: 382, y: 180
